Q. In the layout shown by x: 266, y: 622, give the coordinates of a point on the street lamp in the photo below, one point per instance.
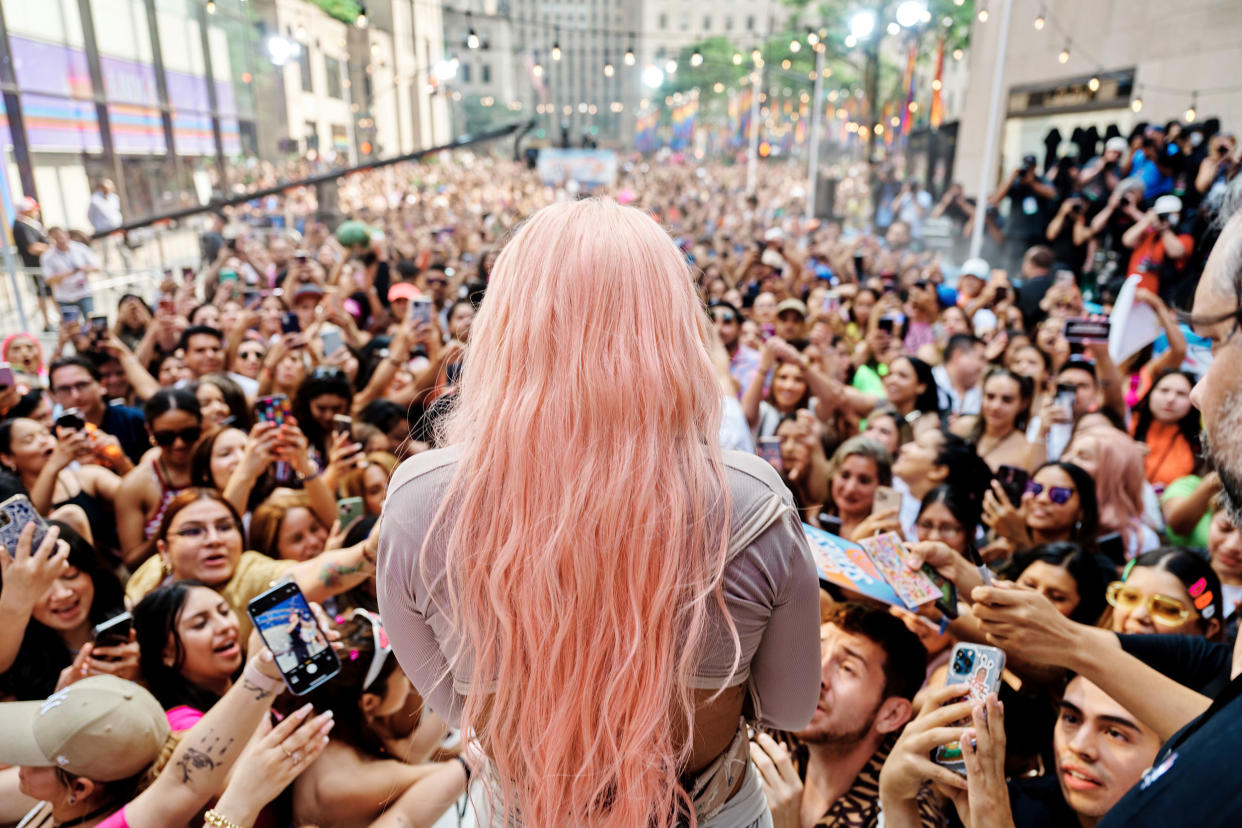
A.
x: 653, y: 76
x: 862, y: 25
x: 910, y: 13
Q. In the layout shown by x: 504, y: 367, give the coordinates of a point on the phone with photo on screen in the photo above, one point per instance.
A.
x: 288, y: 627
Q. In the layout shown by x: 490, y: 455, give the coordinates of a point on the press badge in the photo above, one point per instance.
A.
x: 1152, y: 774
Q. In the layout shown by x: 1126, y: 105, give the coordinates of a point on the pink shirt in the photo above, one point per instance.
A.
x: 771, y: 592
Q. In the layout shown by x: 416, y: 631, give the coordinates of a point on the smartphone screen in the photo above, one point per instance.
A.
x: 342, y: 423
x: 348, y: 509
x: 420, y: 311
x: 769, y: 448
x: 289, y: 323
x: 6, y: 375
x: 1013, y: 481
x: 289, y: 629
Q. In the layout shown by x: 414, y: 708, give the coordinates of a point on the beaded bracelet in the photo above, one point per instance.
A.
x: 218, y: 820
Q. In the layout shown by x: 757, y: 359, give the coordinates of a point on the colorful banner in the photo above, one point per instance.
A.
x: 684, y: 117
x: 907, y: 116
x: 646, y: 134
x: 936, y: 112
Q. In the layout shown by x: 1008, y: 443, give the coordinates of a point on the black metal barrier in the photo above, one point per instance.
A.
x: 218, y: 203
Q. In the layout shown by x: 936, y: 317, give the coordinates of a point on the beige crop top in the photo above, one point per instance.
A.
x: 770, y: 587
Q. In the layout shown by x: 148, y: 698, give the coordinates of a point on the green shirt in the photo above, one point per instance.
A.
x: 869, y: 380
x: 1185, y: 487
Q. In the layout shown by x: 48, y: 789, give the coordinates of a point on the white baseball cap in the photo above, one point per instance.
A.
x: 976, y: 267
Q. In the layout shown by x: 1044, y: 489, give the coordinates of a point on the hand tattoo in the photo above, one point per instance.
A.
x: 259, y: 693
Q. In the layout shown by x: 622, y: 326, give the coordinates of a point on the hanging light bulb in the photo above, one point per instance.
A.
x: 211, y: 6
x: 718, y: 87
x: 696, y: 59
x: 472, y: 40
x: 556, y: 50
x: 1063, y: 57
x: 1136, y: 105
x: 1191, y: 112
x: 795, y: 45
x: 737, y: 58
x: 629, y: 56
x: 361, y: 20
x: 537, y: 70
x: 811, y: 37
x: 609, y: 69
x: 756, y: 56
x: 958, y: 54
x: 983, y: 15
x: 1039, y: 22
x: 1094, y: 84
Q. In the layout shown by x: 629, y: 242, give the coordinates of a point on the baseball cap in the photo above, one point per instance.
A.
x: 1029, y: 160
x: 353, y: 233
x: 403, y: 290
x: 1117, y: 144
x: 307, y: 289
x: 102, y: 727
x: 976, y: 267
x: 28, y: 205
x: 792, y: 304
x: 720, y: 303
x: 1167, y: 205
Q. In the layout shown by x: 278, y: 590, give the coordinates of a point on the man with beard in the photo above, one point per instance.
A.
x: 1193, y: 780
x: 872, y: 666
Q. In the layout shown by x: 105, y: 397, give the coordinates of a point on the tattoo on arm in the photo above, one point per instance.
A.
x: 259, y: 692
x: 330, y: 574
x: 194, y: 759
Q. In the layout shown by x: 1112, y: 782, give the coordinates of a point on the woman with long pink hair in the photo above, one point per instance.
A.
x: 581, y: 579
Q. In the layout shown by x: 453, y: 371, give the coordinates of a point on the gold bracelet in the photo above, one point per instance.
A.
x: 216, y: 820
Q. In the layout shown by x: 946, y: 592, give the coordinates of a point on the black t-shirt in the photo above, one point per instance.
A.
x: 129, y: 427
x: 24, y: 235
x: 1199, y: 664
x: 1029, y: 296
x: 1064, y: 251
x: 1038, y: 803
x: 1194, y: 779
x: 1028, y: 213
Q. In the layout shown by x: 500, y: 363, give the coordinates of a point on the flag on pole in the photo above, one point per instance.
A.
x: 908, y: 83
x: 936, y: 113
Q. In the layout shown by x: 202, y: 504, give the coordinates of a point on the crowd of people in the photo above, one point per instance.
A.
x: 243, y: 424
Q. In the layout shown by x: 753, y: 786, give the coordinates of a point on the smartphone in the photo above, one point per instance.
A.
x: 289, y: 629
x: 830, y: 524
x: 348, y: 509
x: 289, y: 323
x: 1065, y: 396
x: 769, y: 448
x: 15, y: 513
x: 858, y: 267
x: 947, y: 602
x: 302, y: 256
x: 187, y: 274
x: 70, y: 315
x: 330, y: 336
x: 979, y: 667
x: 71, y: 419
x: 1013, y: 481
x: 1113, y: 547
x: 114, y: 631
x: 1000, y: 294
x: 1083, y: 330
x: 275, y: 409
x: 166, y: 305
x: 6, y: 375
x: 885, y: 324
x: 1066, y: 277
x: 886, y: 497
x: 99, y: 326
x: 420, y: 310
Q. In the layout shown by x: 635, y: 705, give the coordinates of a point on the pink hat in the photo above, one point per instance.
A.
x: 403, y: 290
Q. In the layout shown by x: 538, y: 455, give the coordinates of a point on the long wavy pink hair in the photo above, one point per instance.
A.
x: 587, y: 518
x: 1118, y: 481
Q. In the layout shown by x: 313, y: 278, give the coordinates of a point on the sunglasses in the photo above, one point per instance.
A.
x: 726, y: 318
x: 187, y: 435
x: 1059, y: 495
x: 382, y: 647
x: 327, y: 372
x: 250, y: 355
x: 1166, y: 611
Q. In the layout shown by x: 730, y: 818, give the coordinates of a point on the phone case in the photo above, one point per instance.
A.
x: 303, y: 654
x: 769, y: 448
x: 15, y: 513
x: 979, y: 667
x: 913, y: 588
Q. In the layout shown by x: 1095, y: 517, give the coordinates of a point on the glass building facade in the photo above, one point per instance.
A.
x: 155, y: 94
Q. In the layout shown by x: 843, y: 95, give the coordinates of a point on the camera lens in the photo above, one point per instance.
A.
x: 963, y: 661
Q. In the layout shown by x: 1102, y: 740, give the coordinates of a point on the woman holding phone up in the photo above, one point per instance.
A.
x: 697, y: 567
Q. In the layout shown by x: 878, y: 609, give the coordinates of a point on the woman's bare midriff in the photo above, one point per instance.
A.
x: 715, y: 723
